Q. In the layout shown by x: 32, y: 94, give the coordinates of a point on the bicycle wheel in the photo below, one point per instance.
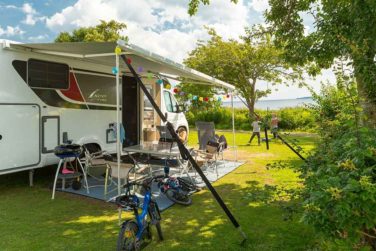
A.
x: 127, y: 236
x: 159, y: 231
x: 179, y: 197
x: 187, y: 185
x: 155, y: 214
x: 157, y: 217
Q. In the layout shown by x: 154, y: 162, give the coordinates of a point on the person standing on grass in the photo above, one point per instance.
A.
x: 256, y: 130
x: 274, y: 125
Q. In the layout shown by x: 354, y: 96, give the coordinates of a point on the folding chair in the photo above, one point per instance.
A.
x: 101, y: 167
x: 209, y: 148
x: 113, y: 175
x: 166, y: 136
x: 95, y: 165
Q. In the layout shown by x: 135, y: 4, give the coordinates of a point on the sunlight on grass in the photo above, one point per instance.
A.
x: 69, y: 232
x: 192, y: 223
x: 93, y: 219
x: 29, y: 216
x: 254, y: 204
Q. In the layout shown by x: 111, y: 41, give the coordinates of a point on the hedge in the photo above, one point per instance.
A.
x: 297, y: 118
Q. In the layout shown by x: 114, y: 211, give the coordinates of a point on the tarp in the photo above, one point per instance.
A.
x: 103, y: 53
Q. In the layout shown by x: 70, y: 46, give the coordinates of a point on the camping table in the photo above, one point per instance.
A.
x: 160, y: 149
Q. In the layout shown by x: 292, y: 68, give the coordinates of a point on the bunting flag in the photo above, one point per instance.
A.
x: 115, y: 70
x: 117, y: 50
x: 167, y: 86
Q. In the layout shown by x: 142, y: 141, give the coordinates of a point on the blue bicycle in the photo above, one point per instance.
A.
x: 136, y: 233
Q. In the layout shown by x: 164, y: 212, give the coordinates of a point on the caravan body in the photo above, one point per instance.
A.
x: 49, y: 98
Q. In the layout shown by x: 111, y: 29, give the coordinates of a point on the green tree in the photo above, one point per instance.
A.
x: 342, y: 29
x: 103, y: 32
x: 204, y: 91
x: 243, y: 63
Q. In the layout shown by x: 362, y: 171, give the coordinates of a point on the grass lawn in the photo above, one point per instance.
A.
x: 29, y: 220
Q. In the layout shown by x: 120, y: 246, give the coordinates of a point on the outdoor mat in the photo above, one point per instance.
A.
x: 96, y: 188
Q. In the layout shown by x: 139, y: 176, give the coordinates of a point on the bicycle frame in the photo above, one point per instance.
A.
x: 141, y: 217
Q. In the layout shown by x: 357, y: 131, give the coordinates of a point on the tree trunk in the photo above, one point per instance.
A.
x: 369, y: 106
x: 365, y: 79
x: 251, y: 109
x: 251, y: 101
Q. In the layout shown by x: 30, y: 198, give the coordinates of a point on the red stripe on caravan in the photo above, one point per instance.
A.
x: 73, y: 92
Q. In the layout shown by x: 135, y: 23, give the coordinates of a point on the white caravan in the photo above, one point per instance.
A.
x: 55, y: 92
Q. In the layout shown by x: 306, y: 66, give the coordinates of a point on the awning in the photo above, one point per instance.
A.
x: 104, y: 52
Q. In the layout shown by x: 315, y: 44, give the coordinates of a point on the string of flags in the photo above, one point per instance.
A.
x: 192, y: 97
x: 167, y: 85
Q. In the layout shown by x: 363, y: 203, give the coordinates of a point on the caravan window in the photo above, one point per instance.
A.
x: 47, y: 75
x: 97, y: 88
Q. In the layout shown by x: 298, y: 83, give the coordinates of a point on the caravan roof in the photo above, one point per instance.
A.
x: 104, y: 53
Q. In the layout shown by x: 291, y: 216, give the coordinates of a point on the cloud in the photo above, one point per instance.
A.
x: 11, y: 31
x: 162, y: 26
x: 82, y: 13
x: 28, y: 9
x: 259, y: 5
x: 38, y: 38
x: 31, y: 13
x: 10, y: 6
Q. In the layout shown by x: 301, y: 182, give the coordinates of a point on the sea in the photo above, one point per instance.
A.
x: 275, y: 104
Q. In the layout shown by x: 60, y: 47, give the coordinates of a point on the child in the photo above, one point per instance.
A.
x: 256, y: 130
x: 274, y: 125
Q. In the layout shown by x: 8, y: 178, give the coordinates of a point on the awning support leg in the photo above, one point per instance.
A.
x: 185, y: 152
x: 31, y: 177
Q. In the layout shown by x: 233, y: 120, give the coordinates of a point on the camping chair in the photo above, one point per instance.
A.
x: 209, y: 147
x: 101, y: 167
x: 95, y: 164
x: 165, y: 135
x: 113, y: 176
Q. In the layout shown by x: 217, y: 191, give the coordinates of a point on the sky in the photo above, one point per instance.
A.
x: 161, y: 26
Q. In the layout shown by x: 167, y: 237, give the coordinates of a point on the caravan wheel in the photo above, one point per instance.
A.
x: 92, y: 147
x: 183, y: 134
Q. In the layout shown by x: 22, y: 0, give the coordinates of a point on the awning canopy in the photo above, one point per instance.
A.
x: 104, y: 53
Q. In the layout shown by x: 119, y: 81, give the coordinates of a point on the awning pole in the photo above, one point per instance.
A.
x: 118, y: 143
x: 233, y: 127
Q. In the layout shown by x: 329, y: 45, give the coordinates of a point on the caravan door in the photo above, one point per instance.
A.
x: 19, y: 136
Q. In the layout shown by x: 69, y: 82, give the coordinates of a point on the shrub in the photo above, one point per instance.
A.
x: 340, y: 177
x: 297, y: 118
